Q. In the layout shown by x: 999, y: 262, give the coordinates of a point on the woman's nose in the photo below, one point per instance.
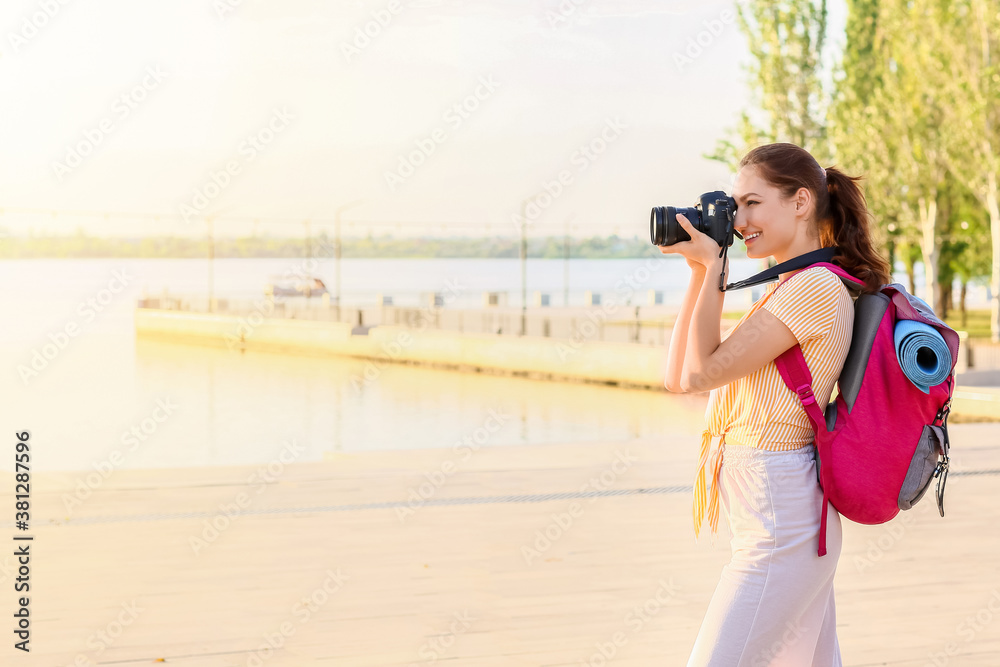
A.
x: 739, y: 221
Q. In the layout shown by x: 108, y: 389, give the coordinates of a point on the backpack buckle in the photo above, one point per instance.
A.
x: 941, y: 472
x: 805, y: 393
x: 942, y: 413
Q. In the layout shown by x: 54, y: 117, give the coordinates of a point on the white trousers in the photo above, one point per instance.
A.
x: 774, y: 603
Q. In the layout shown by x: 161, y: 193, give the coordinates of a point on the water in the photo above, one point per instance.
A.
x: 92, y: 394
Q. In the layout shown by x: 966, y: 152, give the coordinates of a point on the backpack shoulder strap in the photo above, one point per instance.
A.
x: 795, y: 373
x: 849, y: 281
x: 823, y: 255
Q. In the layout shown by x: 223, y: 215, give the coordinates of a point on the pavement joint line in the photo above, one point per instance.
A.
x: 480, y: 500
x: 474, y: 500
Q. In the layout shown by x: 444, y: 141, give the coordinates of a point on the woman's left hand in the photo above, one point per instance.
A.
x: 701, y: 249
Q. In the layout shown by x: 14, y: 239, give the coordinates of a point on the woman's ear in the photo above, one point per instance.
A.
x: 802, y: 199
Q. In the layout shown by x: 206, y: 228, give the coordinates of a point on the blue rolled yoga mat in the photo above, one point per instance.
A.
x: 922, y: 354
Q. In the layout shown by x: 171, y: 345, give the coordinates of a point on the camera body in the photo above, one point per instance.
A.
x: 714, y: 214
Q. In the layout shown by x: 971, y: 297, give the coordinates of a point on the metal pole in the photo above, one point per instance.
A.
x: 337, y: 253
x: 211, y: 266
x: 308, y: 256
x: 566, y: 266
x: 524, y: 267
x: 336, y: 263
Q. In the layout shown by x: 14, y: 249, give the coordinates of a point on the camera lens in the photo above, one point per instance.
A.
x: 664, y: 230
x: 714, y: 215
x: 657, y: 233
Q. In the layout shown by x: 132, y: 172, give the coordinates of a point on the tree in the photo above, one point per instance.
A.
x: 786, y: 39
x: 858, y: 139
x: 955, y: 241
x: 973, y: 258
x: 971, y: 79
x: 889, y: 122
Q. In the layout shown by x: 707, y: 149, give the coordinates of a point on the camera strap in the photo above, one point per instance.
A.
x: 800, y: 262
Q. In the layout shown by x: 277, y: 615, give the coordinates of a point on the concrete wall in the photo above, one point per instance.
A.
x: 579, y: 360
x: 593, y: 361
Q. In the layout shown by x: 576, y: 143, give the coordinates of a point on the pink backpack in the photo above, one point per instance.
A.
x: 882, y: 441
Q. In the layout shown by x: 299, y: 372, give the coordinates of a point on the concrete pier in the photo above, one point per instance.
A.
x: 577, y: 359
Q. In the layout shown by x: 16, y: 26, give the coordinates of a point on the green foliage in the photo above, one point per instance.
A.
x: 915, y: 109
x: 786, y: 39
x: 918, y: 112
x: 965, y: 248
x: 858, y: 138
x: 977, y: 323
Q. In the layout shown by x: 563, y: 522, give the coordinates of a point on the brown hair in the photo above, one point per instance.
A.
x: 842, y: 214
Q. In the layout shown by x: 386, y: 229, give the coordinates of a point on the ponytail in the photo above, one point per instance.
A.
x: 842, y: 213
x: 847, y: 226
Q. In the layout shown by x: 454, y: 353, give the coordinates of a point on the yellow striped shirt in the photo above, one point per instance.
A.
x: 758, y: 410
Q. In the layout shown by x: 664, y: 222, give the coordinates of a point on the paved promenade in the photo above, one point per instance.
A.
x: 550, y: 555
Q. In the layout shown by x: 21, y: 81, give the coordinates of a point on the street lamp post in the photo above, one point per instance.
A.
x: 211, y: 266
x: 337, y: 252
x: 566, y: 265
x: 308, y: 282
x: 524, y: 267
x: 309, y: 253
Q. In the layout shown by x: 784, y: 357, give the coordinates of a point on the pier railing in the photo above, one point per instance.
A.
x: 648, y: 325
x: 642, y: 324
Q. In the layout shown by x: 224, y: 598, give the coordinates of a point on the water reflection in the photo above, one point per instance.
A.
x: 252, y: 401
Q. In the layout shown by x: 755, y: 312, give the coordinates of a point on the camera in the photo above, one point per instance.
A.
x: 714, y: 215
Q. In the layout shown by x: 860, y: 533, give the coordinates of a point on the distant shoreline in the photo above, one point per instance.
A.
x: 83, y: 247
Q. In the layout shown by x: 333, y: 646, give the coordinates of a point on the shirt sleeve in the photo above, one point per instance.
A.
x: 807, y: 303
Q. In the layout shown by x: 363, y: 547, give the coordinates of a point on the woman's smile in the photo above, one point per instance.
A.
x: 751, y: 239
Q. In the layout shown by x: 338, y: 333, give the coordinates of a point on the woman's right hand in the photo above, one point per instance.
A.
x: 692, y: 264
x: 695, y: 266
x: 698, y: 246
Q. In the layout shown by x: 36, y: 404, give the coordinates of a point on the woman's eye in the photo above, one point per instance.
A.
x: 751, y: 202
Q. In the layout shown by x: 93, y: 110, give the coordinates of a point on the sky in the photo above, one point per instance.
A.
x: 131, y: 118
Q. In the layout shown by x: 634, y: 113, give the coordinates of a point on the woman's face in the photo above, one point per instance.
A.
x: 766, y: 220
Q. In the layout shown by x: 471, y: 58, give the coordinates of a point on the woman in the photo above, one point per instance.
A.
x: 774, y: 604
